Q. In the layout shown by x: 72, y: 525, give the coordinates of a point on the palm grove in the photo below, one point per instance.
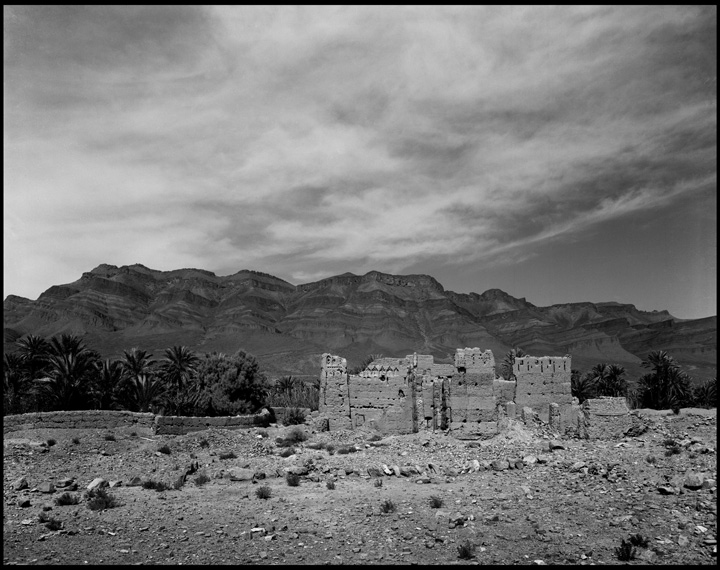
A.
x: 62, y: 373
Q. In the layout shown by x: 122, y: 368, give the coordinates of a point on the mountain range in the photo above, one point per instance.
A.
x: 287, y: 327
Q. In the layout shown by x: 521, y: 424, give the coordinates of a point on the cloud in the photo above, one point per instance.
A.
x: 305, y: 141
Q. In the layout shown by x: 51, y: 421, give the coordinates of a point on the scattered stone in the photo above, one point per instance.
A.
x: 554, y: 444
x: 709, y: 483
x: 116, y: 483
x: 135, y: 482
x: 577, y: 466
x: 683, y: 540
x: 64, y: 482
x: 24, y: 503
x: 97, y: 483
x: 475, y: 465
x: 423, y: 480
x: 20, y: 484
x: 238, y: 474
x: 693, y: 480
x: 396, y: 470
x: 374, y: 472
x: 46, y: 487
x: 666, y: 490
x: 530, y: 460
x: 386, y: 470
x: 500, y: 465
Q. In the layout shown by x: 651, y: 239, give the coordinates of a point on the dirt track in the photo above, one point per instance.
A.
x: 554, y: 511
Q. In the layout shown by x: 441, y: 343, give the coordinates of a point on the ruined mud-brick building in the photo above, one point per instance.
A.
x: 406, y: 395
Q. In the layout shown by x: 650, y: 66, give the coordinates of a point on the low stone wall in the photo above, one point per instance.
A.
x: 180, y: 425
x: 604, y: 418
x: 82, y: 419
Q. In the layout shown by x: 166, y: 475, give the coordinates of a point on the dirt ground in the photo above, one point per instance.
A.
x: 571, y: 506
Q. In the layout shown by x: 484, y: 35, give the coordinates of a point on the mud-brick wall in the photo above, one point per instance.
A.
x: 387, y: 405
x: 504, y: 390
x: 471, y: 388
x: 82, y: 419
x: 180, y: 425
x: 604, y: 418
x: 334, y: 402
x: 542, y: 381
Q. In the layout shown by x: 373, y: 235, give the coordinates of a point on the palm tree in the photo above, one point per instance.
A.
x: 608, y: 379
x: 16, y: 383
x: 136, y: 362
x: 177, y: 366
x: 285, y: 385
x: 110, y: 378
x: 34, y: 351
x: 506, y: 367
x: 705, y: 395
x: 145, y: 391
x: 71, y: 373
x: 665, y: 386
x: 582, y: 386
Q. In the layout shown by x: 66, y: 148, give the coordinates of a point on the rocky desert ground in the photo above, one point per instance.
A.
x: 525, y: 496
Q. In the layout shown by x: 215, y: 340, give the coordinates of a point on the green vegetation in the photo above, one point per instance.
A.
x: 67, y: 499
x: 466, y: 550
x: 228, y: 455
x: 164, y: 449
x: 201, y: 479
x: 330, y: 484
x: 263, y: 492
x: 158, y: 486
x: 387, y: 506
x: 292, y: 479
x: 436, y: 502
x: 625, y: 552
x: 50, y: 442
x: 100, y: 499
x: 506, y: 367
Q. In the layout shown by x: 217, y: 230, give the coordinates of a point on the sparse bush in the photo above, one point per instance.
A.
x: 179, y: 483
x: 387, y: 506
x: 228, y: 455
x: 668, y: 442
x: 296, y: 435
x: 133, y: 434
x: 294, y: 417
x: 330, y: 485
x: 639, y: 540
x: 347, y: 449
x: 66, y: 499
x: 110, y: 437
x: 287, y: 452
x: 378, y: 483
x: 263, y: 492
x: 164, y: 449
x: 204, y: 443
x: 330, y: 448
x: 50, y: 442
x: 651, y: 459
x: 676, y: 450
x: 625, y: 552
x: 436, y: 502
x: 466, y: 550
x: 158, y: 486
x: 99, y: 499
x: 53, y: 524
x: 292, y: 479
x: 201, y: 479
x: 76, y: 440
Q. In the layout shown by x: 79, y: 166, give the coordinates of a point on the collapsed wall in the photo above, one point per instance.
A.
x: 334, y: 396
x: 604, y: 417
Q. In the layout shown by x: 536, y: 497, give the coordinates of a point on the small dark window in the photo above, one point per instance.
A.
x: 401, y: 394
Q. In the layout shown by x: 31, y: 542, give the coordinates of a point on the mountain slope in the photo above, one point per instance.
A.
x: 287, y: 327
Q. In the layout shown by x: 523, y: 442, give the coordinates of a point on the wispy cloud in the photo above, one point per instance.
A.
x: 306, y: 141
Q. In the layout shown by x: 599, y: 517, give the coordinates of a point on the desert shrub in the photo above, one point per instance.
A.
x: 110, y: 437
x: 99, y: 499
x: 50, y: 442
x: 378, y: 482
x: 66, y: 499
x: 330, y: 484
x: 287, y: 452
x: 201, y: 479
x: 625, y: 552
x: 133, y: 434
x: 164, y: 449
x: 76, y: 440
x: 466, y: 550
x: 179, y: 483
x: 293, y: 417
x: 292, y: 479
x: 375, y: 437
x: 651, y: 459
x: 43, y: 517
x: 347, y: 449
x: 330, y: 448
x: 53, y: 524
x: 669, y: 442
x: 387, y: 506
x: 263, y: 433
x: 639, y: 540
x: 675, y: 450
x: 263, y: 492
x: 705, y: 395
x: 436, y: 502
x: 204, y: 443
x: 296, y: 435
x: 158, y: 486
x: 228, y: 455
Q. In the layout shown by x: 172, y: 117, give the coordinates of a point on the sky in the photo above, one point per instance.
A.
x: 561, y: 154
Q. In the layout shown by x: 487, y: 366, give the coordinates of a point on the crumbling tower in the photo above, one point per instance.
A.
x: 334, y: 395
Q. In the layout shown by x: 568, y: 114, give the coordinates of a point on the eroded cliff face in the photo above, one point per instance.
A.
x: 289, y: 326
